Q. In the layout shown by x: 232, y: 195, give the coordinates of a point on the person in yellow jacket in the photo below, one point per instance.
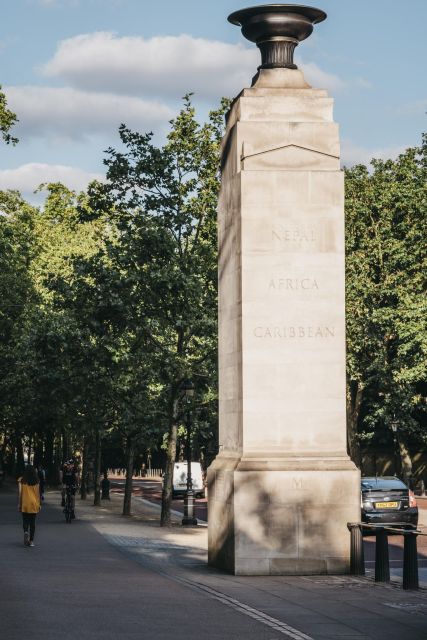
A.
x: 29, y: 502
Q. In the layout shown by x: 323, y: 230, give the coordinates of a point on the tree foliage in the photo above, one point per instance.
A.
x: 158, y: 275
x: 386, y: 304
x: 7, y: 120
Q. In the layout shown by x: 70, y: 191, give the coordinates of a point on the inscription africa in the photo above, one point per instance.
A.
x: 292, y: 284
x: 294, y: 332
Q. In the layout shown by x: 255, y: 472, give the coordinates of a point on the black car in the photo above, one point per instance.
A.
x: 387, y: 500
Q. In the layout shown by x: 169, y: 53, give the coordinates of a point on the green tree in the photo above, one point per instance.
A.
x: 42, y: 351
x: 386, y: 305
x: 7, y: 120
x: 117, y: 392
x: 18, y: 249
x: 162, y: 262
x: 107, y: 386
x: 67, y: 351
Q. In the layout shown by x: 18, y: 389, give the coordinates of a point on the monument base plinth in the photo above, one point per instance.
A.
x: 280, y: 516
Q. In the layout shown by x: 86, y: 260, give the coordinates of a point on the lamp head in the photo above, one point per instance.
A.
x: 187, y: 387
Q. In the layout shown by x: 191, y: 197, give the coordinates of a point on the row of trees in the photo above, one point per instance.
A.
x: 386, y: 244
x: 114, y: 304
x: 108, y: 303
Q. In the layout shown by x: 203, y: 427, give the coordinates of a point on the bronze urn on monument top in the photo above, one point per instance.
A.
x: 277, y: 29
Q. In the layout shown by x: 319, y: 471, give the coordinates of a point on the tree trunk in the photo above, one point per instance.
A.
x: 38, y: 451
x: 20, y: 464
x: 4, y: 446
x: 165, y: 518
x: 97, y: 470
x: 405, y: 463
x: 65, y: 448
x: 83, y: 480
x: 57, y: 458
x: 30, y: 449
x: 50, y: 465
x: 354, y: 403
x: 130, y: 455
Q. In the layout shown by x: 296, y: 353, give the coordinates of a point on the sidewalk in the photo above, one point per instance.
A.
x: 422, y: 510
x: 137, y: 580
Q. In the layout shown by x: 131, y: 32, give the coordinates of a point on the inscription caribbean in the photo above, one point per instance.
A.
x: 294, y: 332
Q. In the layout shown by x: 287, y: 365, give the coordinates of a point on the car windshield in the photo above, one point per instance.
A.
x: 382, y: 484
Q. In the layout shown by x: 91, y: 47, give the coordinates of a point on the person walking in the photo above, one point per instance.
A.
x: 42, y: 480
x: 29, y: 502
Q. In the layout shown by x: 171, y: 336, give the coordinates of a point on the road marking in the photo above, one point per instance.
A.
x: 246, y: 610
x: 410, y: 607
x: 256, y: 614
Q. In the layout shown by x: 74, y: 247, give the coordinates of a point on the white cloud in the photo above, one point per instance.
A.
x: 65, y: 4
x: 163, y: 66
x: 415, y: 108
x: 321, y: 79
x: 352, y: 154
x: 49, y: 4
x: 363, y: 83
x: 28, y: 177
x: 74, y: 4
x: 71, y: 114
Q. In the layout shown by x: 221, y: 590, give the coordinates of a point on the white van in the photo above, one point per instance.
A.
x: 180, y: 479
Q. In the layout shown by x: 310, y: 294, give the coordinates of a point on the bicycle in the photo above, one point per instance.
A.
x: 68, y: 509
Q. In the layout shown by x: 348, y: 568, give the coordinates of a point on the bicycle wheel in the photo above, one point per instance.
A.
x: 67, y: 510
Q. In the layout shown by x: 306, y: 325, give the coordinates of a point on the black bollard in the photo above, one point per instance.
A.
x: 410, y: 561
x: 105, y: 488
x: 357, y: 556
x: 382, y: 564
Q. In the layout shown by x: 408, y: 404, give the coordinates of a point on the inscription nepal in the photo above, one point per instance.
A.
x: 294, y: 235
x: 292, y: 284
x: 294, y: 332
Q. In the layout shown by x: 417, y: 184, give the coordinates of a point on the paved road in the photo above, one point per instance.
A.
x: 151, y: 489
x: 107, y: 577
x: 74, y: 584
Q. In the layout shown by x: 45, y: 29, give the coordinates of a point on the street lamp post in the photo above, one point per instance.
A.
x: 394, y: 424
x: 189, y: 518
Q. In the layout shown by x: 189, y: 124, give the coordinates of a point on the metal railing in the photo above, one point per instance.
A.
x: 382, y: 560
x: 137, y: 473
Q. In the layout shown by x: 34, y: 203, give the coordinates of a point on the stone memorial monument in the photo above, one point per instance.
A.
x: 282, y: 487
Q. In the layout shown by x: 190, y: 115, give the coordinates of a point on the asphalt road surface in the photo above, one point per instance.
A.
x: 151, y: 489
x: 74, y: 584
x: 106, y: 577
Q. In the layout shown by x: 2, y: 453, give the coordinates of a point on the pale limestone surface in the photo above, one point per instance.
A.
x: 282, y: 488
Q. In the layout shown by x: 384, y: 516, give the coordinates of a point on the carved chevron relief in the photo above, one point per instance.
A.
x: 288, y: 156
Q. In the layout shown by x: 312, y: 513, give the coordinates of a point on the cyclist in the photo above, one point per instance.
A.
x: 70, y: 482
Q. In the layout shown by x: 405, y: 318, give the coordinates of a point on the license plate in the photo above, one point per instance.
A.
x: 386, y: 505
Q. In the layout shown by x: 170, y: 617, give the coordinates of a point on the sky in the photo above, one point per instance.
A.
x: 74, y: 70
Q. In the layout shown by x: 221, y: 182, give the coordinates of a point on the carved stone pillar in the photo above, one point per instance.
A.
x: 282, y: 488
